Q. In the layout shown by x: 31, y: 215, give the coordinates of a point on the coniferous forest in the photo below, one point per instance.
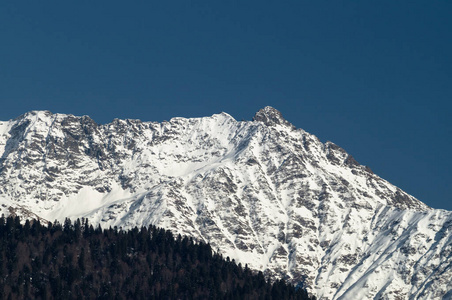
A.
x: 79, y: 261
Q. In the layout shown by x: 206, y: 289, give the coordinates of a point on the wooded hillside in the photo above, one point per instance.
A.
x: 78, y: 261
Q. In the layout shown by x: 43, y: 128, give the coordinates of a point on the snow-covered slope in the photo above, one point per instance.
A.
x: 262, y: 192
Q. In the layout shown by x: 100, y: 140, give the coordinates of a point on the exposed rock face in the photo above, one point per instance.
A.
x: 262, y: 192
x: 271, y: 117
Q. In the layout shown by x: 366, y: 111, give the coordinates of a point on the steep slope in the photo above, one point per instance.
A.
x: 261, y: 191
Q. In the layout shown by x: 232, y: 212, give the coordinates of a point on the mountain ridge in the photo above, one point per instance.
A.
x: 262, y: 192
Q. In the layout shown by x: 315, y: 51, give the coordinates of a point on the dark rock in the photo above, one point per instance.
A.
x: 271, y: 117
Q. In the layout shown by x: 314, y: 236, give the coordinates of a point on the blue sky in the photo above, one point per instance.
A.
x: 374, y: 77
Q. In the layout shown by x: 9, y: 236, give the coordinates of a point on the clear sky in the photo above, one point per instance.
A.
x: 374, y: 77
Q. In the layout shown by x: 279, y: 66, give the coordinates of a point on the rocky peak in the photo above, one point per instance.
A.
x: 271, y: 117
x: 34, y: 114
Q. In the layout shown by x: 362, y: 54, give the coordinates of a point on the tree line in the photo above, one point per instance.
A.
x: 79, y: 261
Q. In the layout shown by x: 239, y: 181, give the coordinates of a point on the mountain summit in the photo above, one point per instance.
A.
x: 271, y: 117
x: 262, y: 192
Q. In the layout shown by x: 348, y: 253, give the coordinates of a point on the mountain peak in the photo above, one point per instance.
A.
x: 35, y: 113
x: 264, y: 194
x: 271, y: 117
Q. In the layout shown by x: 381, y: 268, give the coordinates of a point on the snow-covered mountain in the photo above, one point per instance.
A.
x: 261, y: 192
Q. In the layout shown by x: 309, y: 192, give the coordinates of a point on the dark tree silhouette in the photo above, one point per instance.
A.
x: 76, y: 261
